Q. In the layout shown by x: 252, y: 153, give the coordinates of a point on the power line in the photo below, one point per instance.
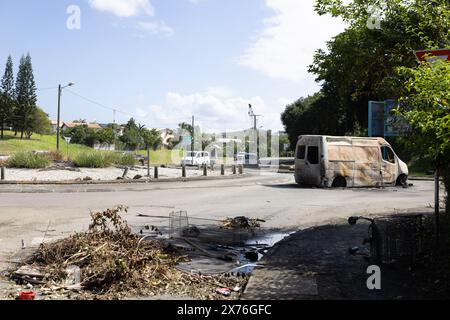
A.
x: 100, y: 104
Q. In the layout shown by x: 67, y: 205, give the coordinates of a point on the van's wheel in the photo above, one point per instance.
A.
x: 402, y: 180
x: 339, y: 182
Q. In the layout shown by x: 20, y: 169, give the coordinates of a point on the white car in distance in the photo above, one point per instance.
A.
x: 196, y: 158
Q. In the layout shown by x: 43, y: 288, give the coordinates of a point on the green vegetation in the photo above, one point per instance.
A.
x: 163, y: 157
x: 18, y: 98
x: 136, y: 137
x: 11, y: 144
x: 28, y: 160
x: 360, y: 64
x: 85, y: 136
x: 102, y: 159
x: 425, y: 105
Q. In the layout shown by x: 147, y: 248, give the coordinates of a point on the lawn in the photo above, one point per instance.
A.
x: 164, y: 157
x: 11, y: 144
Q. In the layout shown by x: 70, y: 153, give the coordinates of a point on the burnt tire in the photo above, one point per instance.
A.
x: 402, y: 180
x: 339, y: 182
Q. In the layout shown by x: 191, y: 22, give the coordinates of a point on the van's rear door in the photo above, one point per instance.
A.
x: 308, y: 161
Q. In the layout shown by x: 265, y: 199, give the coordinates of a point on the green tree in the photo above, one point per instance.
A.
x: 25, y: 96
x: 425, y: 105
x: 360, y: 63
x: 106, y: 135
x: 151, y: 139
x: 187, y: 127
x: 39, y: 123
x: 6, y: 96
x: 132, y: 136
x: 78, y: 134
x: 310, y: 115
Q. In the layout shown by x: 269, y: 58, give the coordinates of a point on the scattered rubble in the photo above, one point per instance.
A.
x: 110, y: 262
x: 241, y: 223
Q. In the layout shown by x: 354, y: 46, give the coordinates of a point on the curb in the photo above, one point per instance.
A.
x: 112, y: 182
x: 422, y: 179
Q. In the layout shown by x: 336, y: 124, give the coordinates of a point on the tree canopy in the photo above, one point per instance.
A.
x: 425, y: 105
x: 360, y: 64
x: 7, y: 96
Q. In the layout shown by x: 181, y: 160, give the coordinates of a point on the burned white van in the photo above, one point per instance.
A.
x: 326, y: 161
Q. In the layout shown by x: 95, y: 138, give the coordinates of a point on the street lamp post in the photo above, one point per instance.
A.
x: 58, y: 128
x: 252, y: 114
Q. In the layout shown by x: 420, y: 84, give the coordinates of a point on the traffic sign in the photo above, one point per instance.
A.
x: 431, y: 55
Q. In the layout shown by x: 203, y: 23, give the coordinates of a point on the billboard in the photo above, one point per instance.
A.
x: 383, y: 122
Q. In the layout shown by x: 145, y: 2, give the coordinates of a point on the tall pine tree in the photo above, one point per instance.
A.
x: 25, y: 97
x: 6, y: 96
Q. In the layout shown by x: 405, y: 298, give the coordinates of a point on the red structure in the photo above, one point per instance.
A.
x: 430, y: 55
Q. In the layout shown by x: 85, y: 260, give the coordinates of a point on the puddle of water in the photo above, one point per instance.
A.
x: 258, y: 246
x: 269, y: 239
x: 248, y: 249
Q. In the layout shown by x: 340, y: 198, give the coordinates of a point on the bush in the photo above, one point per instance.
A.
x: 55, y: 156
x: 102, y: 159
x: 124, y: 159
x: 28, y: 160
x: 91, y: 160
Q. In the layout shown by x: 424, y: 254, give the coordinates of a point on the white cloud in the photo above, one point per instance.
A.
x: 155, y: 27
x: 216, y: 110
x: 286, y: 46
x: 124, y: 8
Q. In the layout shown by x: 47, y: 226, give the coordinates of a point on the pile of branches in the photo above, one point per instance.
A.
x: 241, y: 223
x: 116, y: 263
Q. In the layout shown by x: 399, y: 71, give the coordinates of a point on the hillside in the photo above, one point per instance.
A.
x: 11, y: 144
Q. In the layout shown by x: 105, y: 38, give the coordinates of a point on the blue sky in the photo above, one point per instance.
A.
x: 165, y: 60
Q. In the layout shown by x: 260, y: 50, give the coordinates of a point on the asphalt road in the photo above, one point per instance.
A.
x: 55, y: 211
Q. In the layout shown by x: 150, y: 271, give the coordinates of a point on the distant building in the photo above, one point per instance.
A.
x: 119, y: 128
x: 167, y: 136
x: 55, y: 125
x: 70, y: 125
x: 104, y: 146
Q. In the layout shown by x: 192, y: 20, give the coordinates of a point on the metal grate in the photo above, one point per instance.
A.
x: 177, y: 222
x: 401, y: 239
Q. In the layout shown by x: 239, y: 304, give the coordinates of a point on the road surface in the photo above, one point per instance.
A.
x: 56, y: 211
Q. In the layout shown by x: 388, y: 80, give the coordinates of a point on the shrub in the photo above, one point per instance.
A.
x: 55, y: 156
x: 91, y: 160
x: 125, y: 159
x: 28, y: 160
x: 97, y: 159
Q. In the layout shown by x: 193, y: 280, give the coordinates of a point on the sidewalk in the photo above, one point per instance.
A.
x: 315, y: 264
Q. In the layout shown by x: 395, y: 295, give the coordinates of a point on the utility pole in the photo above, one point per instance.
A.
x: 59, y: 118
x: 114, y: 128
x: 193, y: 134
x: 58, y: 129
x: 252, y: 114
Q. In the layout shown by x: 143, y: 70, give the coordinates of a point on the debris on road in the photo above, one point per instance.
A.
x: 26, y: 295
x: 223, y: 291
x: 113, y: 262
x: 190, y: 232
x: 241, y: 223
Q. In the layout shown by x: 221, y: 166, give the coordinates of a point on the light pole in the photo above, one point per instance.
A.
x: 58, y: 128
x: 252, y: 114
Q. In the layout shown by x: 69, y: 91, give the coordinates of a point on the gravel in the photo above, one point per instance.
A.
x: 97, y: 174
